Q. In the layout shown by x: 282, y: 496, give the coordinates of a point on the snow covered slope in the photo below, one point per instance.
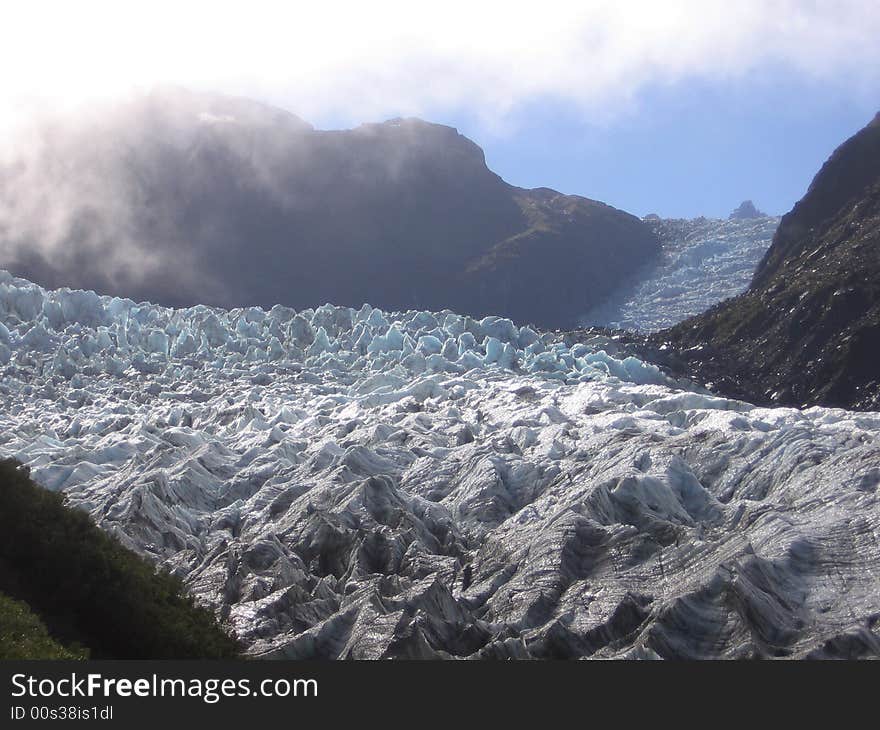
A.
x: 704, y: 260
x: 354, y: 483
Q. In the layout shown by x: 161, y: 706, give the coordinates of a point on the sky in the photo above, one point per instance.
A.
x: 681, y: 107
x: 692, y: 149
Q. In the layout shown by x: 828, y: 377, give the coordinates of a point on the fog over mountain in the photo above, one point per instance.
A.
x: 185, y: 198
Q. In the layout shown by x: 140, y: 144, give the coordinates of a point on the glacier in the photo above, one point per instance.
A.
x: 353, y: 483
x: 702, y: 262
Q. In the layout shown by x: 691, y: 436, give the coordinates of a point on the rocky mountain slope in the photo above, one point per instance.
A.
x: 185, y: 198
x: 702, y: 262
x: 807, y: 331
x: 355, y: 483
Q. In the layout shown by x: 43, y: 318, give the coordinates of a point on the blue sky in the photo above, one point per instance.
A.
x: 695, y: 147
x: 692, y: 148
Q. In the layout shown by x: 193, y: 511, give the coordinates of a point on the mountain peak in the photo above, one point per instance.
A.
x: 176, y: 103
x: 746, y: 210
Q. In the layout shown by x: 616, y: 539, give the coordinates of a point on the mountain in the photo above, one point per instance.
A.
x: 807, y: 330
x: 355, y: 483
x: 702, y: 262
x: 745, y: 211
x: 185, y: 198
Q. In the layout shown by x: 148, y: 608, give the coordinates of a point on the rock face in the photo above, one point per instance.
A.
x: 807, y: 331
x: 745, y: 211
x: 344, y: 483
x: 186, y: 198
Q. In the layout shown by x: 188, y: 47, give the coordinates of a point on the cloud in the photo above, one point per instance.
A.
x: 78, y: 195
x: 357, y: 61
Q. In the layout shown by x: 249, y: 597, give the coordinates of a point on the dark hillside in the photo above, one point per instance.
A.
x: 184, y: 198
x: 807, y: 331
x: 89, y: 589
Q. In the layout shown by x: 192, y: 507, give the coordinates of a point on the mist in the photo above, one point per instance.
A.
x: 180, y: 198
x: 357, y: 62
x: 112, y: 180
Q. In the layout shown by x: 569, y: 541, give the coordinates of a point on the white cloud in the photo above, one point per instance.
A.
x: 367, y: 60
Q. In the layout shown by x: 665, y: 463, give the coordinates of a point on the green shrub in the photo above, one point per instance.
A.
x: 24, y: 636
x: 90, y: 589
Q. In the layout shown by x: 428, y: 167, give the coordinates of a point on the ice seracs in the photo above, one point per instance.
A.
x: 703, y: 261
x: 352, y: 483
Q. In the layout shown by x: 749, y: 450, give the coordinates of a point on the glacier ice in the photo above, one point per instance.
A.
x: 346, y: 483
x: 703, y: 261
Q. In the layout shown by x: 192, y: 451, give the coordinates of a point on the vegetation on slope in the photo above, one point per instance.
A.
x: 89, y: 589
x: 24, y: 636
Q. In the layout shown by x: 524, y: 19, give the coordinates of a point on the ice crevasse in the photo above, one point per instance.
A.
x: 353, y: 483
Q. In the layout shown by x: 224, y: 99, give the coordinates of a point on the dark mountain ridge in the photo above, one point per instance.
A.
x: 185, y: 198
x: 807, y: 331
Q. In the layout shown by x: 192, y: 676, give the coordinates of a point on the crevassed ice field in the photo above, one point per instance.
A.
x: 702, y: 261
x: 363, y: 484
